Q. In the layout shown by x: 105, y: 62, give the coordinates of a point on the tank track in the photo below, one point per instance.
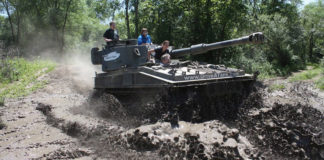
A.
x: 192, y: 104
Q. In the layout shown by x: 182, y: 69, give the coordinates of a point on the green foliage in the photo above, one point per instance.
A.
x: 26, y: 77
x: 282, y: 52
x: 57, y: 24
x: 276, y: 87
x: 320, y: 81
x: 294, y: 37
x: 312, y: 18
x: 306, y: 75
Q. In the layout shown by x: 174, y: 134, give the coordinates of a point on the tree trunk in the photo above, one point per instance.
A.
x: 136, y: 16
x: 127, y: 18
x: 311, y: 46
x: 65, y: 20
x: 208, y: 21
x: 18, y: 22
x: 6, y: 5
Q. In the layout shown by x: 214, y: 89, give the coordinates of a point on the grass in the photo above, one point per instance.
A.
x: 276, y: 87
x: 316, y: 71
x: 306, y: 75
x: 20, y: 78
x: 320, y: 82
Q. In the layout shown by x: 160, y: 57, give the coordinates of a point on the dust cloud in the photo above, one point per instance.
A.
x: 80, y: 68
x: 74, y: 64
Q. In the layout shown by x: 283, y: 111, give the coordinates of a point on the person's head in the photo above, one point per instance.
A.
x: 112, y: 25
x: 144, y: 32
x: 165, y: 44
x: 165, y: 59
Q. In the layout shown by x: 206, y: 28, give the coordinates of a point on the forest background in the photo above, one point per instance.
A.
x: 294, y: 32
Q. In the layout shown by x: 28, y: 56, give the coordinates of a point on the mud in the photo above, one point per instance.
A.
x: 67, y: 120
x: 208, y: 140
x: 284, y: 124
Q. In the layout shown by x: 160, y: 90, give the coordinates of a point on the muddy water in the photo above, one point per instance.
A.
x: 64, y: 121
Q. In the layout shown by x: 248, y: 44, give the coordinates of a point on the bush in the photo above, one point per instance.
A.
x: 282, y: 51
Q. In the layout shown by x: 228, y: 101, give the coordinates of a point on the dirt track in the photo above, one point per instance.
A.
x: 59, y: 122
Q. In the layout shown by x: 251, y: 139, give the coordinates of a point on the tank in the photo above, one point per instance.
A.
x: 127, y: 74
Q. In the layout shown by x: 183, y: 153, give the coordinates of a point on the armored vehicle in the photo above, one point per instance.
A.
x: 126, y: 73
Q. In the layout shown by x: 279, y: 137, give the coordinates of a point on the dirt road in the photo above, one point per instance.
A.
x: 60, y: 122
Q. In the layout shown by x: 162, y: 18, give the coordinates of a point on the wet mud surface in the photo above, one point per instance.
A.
x: 68, y: 120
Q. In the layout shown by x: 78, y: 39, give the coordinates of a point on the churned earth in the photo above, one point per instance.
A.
x: 65, y: 120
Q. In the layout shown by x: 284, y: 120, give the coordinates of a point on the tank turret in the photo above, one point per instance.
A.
x: 127, y: 54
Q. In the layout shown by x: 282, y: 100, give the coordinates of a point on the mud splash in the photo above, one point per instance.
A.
x: 209, y: 140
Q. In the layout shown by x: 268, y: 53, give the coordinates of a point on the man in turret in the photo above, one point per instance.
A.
x: 159, y: 52
x: 111, y: 34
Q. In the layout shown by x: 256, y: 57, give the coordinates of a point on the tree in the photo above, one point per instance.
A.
x: 312, y: 18
x: 68, y: 4
x: 7, y: 6
x: 135, y: 3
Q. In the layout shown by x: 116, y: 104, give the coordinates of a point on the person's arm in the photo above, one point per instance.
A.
x: 149, y: 39
x: 107, y: 40
x: 139, y: 40
x: 149, y: 54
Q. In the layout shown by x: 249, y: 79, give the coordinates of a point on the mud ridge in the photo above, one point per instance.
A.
x: 102, y: 139
x: 67, y: 154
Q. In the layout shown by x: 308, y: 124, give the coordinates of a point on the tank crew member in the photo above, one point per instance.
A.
x: 159, y: 52
x: 165, y: 59
x: 111, y: 34
x: 144, y: 38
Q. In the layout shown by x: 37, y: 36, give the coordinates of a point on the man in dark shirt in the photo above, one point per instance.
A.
x: 111, y: 34
x: 159, y: 52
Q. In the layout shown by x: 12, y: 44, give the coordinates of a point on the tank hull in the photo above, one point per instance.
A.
x: 141, y: 81
x: 194, y: 100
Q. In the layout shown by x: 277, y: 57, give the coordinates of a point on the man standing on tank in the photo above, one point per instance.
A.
x: 144, y: 38
x: 111, y: 34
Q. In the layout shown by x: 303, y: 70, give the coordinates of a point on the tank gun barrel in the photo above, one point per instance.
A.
x: 255, y: 38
